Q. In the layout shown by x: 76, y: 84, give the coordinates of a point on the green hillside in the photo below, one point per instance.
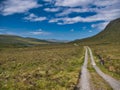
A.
x: 106, y: 44
x: 109, y: 35
x: 12, y: 40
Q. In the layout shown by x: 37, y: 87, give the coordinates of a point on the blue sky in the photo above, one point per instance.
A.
x: 56, y: 19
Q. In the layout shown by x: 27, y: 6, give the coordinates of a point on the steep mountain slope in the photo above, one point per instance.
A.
x: 12, y: 40
x: 110, y: 34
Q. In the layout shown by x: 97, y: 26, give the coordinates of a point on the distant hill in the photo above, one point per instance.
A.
x: 12, y: 40
x: 58, y: 41
x: 111, y: 34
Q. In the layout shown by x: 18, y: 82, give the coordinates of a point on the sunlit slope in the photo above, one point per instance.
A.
x: 109, y: 35
x: 12, y: 40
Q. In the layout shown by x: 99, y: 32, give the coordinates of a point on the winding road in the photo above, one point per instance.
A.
x: 84, y: 80
x: 115, y: 84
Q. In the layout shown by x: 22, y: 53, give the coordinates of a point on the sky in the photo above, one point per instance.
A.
x: 57, y: 19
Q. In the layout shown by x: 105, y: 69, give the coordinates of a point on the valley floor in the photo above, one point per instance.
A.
x: 57, y: 67
x: 40, y: 68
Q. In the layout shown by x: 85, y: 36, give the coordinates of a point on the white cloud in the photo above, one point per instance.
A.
x: 47, y: 0
x: 39, y: 32
x: 72, y: 10
x: 73, y: 3
x: 66, y: 20
x: 90, y: 31
x: 85, y: 3
x: 9, y: 7
x: 105, y: 2
x: 54, y: 20
x: 72, y: 30
x: 72, y: 20
x: 52, y: 9
x: 100, y: 26
x: 32, y: 17
x: 102, y: 14
x: 106, y: 10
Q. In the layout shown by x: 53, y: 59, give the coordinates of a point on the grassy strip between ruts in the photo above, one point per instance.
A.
x: 96, y: 82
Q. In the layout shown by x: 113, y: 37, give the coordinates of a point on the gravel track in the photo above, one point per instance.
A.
x: 115, y: 84
x: 83, y: 83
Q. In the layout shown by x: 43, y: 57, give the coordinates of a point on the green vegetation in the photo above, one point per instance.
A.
x: 107, y: 45
x: 44, y: 68
x: 110, y: 35
x: 42, y: 65
x: 17, y: 41
x: 97, y: 82
x: 111, y: 57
